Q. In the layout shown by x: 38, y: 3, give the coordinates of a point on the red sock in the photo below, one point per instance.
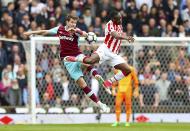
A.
x: 85, y: 59
x: 92, y: 70
x: 90, y: 94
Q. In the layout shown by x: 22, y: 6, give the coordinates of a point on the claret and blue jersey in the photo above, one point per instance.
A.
x: 68, y: 43
x: 69, y: 47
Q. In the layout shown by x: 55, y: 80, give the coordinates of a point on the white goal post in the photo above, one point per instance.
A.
x: 139, y: 42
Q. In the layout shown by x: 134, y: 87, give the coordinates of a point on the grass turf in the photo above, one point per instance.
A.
x: 99, y: 127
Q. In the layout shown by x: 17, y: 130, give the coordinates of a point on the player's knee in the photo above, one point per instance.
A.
x: 128, y: 105
x: 117, y: 106
x: 126, y: 71
x: 91, y: 61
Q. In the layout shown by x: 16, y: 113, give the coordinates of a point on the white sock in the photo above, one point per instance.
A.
x: 117, y: 77
x: 99, y: 103
x: 80, y: 57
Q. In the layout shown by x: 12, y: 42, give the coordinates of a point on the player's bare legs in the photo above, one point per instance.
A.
x: 124, y: 71
x: 98, y: 77
x: 88, y: 61
x: 82, y: 84
x: 94, y: 58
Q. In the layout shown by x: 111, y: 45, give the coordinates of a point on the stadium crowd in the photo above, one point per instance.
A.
x: 164, y: 73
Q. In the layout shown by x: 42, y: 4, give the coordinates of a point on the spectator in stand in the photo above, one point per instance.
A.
x: 154, y: 31
x: 182, y: 32
x: 57, y: 73
x: 162, y: 26
x: 129, y: 7
x: 157, y: 4
x: 42, y: 18
x: 44, y: 63
x: 169, y: 31
x: 97, y: 26
x: 20, y: 33
x: 92, y: 6
x: 20, y: 13
x: 153, y: 14
x: 176, y: 20
x: 129, y: 30
x: 5, y: 86
x: 40, y: 82
x: 145, y: 31
x: 22, y: 81
x: 134, y: 20
x: 148, y: 91
x: 162, y: 86
x: 177, y: 91
x: 172, y: 72
x: 59, y: 15
x: 182, y: 62
x: 50, y: 8
x: 88, y: 19
x: 65, y: 95
x: 141, y: 2
x: 3, y: 58
x: 49, y: 88
x: 104, y: 7
x: 169, y: 7
x: 17, y: 49
x: 144, y: 13
x: 185, y: 12
x: 81, y: 25
x: 148, y: 94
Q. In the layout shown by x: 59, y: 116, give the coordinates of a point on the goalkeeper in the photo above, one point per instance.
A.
x: 124, y: 92
x: 69, y: 36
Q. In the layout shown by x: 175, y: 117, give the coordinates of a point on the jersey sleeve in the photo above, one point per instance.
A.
x: 53, y: 31
x: 79, y: 32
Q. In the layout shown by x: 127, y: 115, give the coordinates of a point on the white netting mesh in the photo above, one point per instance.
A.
x: 155, y: 61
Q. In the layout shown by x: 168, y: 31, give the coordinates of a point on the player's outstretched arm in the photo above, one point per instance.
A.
x: 84, y: 33
x: 130, y: 39
x: 38, y: 32
x: 78, y: 31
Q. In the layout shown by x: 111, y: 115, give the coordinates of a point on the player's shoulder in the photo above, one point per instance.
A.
x: 109, y: 22
x: 61, y: 26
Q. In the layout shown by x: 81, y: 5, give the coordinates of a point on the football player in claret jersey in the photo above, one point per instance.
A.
x: 108, y: 51
x: 69, y: 36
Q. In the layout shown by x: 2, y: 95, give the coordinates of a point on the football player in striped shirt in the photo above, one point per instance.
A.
x: 108, y: 51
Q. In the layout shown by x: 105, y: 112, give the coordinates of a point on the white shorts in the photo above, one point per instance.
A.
x: 108, y: 56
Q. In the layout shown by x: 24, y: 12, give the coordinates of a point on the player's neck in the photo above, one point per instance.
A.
x: 114, y: 23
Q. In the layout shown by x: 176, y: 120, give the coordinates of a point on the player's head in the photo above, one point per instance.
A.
x: 71, y: 21
x: 116, y: 17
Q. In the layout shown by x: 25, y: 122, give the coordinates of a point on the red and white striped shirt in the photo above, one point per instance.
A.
x: 112, y: 43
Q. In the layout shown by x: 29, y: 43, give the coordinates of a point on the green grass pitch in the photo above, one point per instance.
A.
x: 99, y: 127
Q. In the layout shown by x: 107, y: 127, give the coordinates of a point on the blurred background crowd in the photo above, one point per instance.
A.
x: 163, y: 72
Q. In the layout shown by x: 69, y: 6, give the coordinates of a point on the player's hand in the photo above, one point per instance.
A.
x: 136, y: 93
x: 72, y: 30
x: 130, y: 39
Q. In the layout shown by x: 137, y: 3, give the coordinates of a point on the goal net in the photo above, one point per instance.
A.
x: 162, y: 65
